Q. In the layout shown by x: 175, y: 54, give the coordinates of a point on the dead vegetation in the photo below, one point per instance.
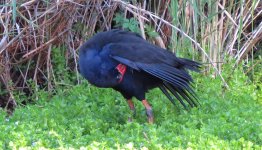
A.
x: 30, y: 29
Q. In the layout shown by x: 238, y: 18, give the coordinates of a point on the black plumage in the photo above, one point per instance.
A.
x: 126, y: 62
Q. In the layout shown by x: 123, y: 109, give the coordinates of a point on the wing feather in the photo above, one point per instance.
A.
x: 175, y: 80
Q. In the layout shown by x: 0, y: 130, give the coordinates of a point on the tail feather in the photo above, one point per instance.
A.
x: 176, y: 95
x: 164, y: 90
x: 176, y: 81
x: 182, y: 94
x: 190, y: 64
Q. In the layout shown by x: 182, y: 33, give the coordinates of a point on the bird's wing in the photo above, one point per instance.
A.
x: 156, y: 63
x: 143, y: 52
x: 175, y: 80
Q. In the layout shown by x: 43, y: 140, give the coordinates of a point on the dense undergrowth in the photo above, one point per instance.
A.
x: 86, y: 117
x: 82, y: 116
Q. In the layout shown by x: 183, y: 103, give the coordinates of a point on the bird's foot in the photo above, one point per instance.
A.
x: 150, y: 116
x: 132, y: 110
x: 149, y: 111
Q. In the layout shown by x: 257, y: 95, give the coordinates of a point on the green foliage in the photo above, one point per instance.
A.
x: 133, y: 25
x: 87, y: 117
x: 253, y: 70
x: 80, y: 29
x: 240, y: 80
x: 60, y: 75
x: 59, y: 63
x: 129, y: 24
x: 150, y: 31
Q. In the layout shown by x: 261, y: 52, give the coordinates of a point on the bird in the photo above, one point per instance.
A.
x: 126, y: 62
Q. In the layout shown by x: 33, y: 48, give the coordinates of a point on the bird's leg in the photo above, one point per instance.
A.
x: 132, y: 108
x: 149, y: 111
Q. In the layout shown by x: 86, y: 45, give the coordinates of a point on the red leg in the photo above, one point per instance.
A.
x: 149, y: 111
x: 130, y: 104
x: 132, y: 108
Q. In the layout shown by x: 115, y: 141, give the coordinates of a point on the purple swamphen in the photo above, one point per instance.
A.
x: 129, y: 64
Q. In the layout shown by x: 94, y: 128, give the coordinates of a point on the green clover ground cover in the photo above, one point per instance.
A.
x: 87, y: 117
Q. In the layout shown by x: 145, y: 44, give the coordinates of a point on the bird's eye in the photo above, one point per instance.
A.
x: 119, y: 76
